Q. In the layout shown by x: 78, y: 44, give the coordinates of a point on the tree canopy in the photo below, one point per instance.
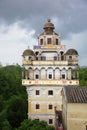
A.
x: 35, y: 125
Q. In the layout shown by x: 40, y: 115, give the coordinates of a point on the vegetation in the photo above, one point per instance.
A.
x: 83, y: 76
x: 35, y: 125
x: 13, y: 100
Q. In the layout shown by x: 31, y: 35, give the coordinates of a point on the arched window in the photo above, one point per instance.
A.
x: 50, y: 73
x: 30, y: 73
x: 36, y: 74
x: 49, y: 41
x: 41, y: 41
x: 57, y: 73
x: 63, y: 74
x: 57, y: 41
x: 43, y: 73
x: 69, y: 73
x: 62, y: 55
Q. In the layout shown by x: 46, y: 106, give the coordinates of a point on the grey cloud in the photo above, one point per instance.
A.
x: 73, y: 14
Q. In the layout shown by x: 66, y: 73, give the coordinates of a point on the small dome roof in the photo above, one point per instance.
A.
x: 28, y: 52
x: 71, y: 52
x: 49, y: 25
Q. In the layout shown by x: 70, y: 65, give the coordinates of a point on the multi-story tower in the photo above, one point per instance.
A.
x: 46, y: 69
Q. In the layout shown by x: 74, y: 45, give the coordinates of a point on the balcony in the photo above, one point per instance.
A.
x: 61, y: 82
x: 45, y: 63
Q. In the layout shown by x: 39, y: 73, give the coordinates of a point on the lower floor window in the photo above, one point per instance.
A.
x: 50, y: 121
x: 37, y: 119
x: 50, y: 106
x: 37, y: 106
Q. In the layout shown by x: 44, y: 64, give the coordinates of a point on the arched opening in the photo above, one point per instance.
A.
x: 50, y: 73
x: 57, y: 73
x: 43, y: 73
x: 63, y: 73
x: 30, y: 73
x: 61, y: 55
x: 36, y: 74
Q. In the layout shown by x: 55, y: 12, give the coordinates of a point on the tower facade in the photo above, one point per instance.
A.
x: 46, y: 69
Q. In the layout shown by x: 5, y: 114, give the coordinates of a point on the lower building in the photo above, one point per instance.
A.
x: 74, y: 108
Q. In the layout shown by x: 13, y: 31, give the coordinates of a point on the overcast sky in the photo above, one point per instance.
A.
x: 21, y: 21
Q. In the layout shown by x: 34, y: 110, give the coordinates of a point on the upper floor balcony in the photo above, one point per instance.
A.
x: 51, y: 62
x: 61, y: 82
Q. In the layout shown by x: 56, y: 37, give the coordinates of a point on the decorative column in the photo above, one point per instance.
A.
x: 53, y: 74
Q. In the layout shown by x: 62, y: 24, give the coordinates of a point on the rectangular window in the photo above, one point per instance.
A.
x: 48, y: 40
x: 37, y: 92
x: 50, y: 121
x: 37, y: 106
x: 50, y: 106
x: 43, y: 58
x: 50, y: 76
x: 37, y: 119
x: 50, y: 92
x: 70, y: 57
x: 36, y: 76
x: 41, y: 41
x: 55, y: 58
x: 63, y: 76
x: 56, y: 41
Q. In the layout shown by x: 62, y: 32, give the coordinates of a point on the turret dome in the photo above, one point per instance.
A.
x: 71, y: 52
x: 28, y: 52
x: 49, y: 25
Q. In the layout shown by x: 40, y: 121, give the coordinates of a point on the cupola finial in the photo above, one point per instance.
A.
x: 49, y: 20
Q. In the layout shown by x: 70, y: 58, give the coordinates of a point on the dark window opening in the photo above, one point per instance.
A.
x: 37, y: 119
x: 50, y: 106
x: 43, y: 58
x: 50, y: 121
x: 49, y: 40
x: 55, y: 57
x: 36, y: 52
x: 50, y: 92
x: 37, y: 76
x: 37, y: 92
x: 50, y: 76
x: 63, y: 76
x: 37, y: 106
x: 70, y: 57
x: 56, y: 41
x: 41, y: 41
x: 36, y: 58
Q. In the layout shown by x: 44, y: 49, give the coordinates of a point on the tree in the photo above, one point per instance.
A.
x: 35, y: 125
x: 6, y: 125
x: 17, y: 111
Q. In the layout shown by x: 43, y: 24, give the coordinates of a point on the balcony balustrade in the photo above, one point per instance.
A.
x: 62, y: 82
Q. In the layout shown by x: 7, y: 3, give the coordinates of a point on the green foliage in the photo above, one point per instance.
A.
x: 13, y: 98
x: 83, y: 76
x: 16, y: 111
x: 6, y: 125
x: 35, y: 125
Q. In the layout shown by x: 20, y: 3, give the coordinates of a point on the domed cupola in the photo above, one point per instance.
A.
x: 71, y: 52
x: 49, y: 27
x: 28, y: 52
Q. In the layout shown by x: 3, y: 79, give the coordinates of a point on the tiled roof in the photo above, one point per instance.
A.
x: 76, y: 94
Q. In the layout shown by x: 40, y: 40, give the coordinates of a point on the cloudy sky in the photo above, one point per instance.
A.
x: 21, y: 21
